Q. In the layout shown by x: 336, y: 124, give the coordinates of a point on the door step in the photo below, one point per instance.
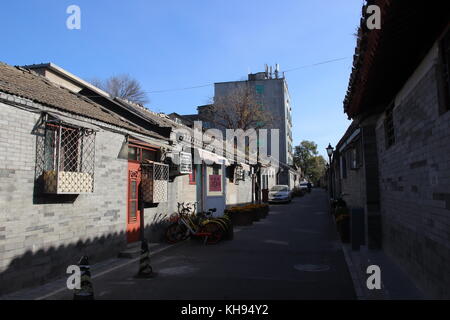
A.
x: 133, y: 250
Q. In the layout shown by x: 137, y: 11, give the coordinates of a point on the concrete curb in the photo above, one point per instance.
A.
x: 98, y: 270
x: 354, y: 274
x: 357, y: 284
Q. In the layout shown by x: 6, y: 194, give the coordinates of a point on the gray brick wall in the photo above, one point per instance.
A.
x: 39, y: 240
x: 354, y: 187
x: 415, y: 187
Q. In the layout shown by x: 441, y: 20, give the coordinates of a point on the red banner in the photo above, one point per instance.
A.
x: 215, y: 183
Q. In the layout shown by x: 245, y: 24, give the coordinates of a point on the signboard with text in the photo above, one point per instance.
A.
x: 215, y: 183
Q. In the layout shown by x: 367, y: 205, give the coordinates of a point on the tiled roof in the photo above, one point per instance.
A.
x: 28, y: 84
x: 384, y: 59
x: 160, y: 119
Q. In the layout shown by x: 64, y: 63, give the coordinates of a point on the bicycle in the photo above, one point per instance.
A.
x: 186, y: 224
x: 223, y: 222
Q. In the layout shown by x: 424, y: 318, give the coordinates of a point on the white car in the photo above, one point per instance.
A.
x: 304, y: 186
x: 280, y: 193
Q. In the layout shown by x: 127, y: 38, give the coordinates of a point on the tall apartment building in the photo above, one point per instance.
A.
x: 272, y: 91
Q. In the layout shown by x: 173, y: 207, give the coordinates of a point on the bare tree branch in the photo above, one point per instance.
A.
x: 124, y: 87
x: 240, y: 109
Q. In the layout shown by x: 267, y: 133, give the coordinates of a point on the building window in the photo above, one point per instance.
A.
x: 444, y: 73
x: 68, y: 159
x: 192, y: 176
x: 343, y: 167
x: 133, y: 153
x: 389, y: 127
x: 259, y: 89
x: 141, y: 154
x: 355, y: 156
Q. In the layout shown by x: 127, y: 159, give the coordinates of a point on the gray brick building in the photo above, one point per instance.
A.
x: 72, y: 160
x: 394, y: 160
x: 42, y: 231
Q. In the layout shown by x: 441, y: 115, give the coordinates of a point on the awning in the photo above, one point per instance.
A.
x: 209, y: 157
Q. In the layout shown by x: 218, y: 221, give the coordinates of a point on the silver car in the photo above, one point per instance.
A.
x: 280, y: 193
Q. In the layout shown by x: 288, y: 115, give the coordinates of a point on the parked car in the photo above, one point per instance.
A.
x: 280, y: 193
x: 304, y: 186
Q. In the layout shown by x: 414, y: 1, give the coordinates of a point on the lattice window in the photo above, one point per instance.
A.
x: 68, y: 159
x: 155, y: 177
x: 239, y: 174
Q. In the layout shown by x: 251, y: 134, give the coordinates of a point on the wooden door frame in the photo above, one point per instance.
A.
x: 130, y: 238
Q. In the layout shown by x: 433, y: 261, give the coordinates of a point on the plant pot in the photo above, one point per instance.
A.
x: 230, y: 232
x: 343, y: 227
x: 265, y: 211
x: 256, y: 215
x: 241, y: 219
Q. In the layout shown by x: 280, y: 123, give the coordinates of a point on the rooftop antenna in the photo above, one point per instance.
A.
x: 271, y: 72
x: 277, y: 70
x: 267, y: 71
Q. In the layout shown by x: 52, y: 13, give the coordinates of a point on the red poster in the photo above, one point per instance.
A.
x: 215, y: 183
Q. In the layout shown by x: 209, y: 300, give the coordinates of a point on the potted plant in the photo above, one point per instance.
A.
x: 240, y: 216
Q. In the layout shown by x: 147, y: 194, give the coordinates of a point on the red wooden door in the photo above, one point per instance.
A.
x: 133, y: 212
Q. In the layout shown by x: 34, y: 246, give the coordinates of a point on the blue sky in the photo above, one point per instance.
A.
x: 177, y: 44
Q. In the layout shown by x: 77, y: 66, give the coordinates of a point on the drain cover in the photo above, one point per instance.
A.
x: 312, y: 267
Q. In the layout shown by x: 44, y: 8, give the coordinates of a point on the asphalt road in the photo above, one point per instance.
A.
x: 292, y: 254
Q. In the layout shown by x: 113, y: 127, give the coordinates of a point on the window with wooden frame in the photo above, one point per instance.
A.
x: 140, y: 153
x: 444, y: 73
x: 389, y: 129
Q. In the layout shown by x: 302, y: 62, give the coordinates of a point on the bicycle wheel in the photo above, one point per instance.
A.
x: 215, y: 230
x: 223, y: 224
x: 176, y: 233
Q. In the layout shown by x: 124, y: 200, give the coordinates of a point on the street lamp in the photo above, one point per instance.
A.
x: 330, y: 150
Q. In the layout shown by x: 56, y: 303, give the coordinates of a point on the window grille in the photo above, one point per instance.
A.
x: 155, y: 177
x: 239, y: 174
x: 68, y: 159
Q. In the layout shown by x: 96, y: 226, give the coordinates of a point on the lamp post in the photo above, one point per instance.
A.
x: 330, y: 150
